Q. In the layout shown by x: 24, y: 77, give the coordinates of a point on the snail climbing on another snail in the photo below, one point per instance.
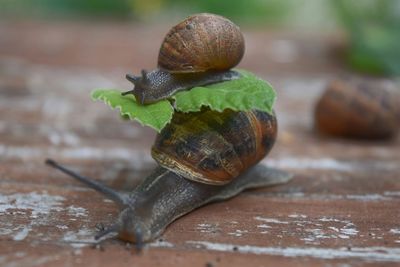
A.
x: 202, y: 156
x: 198, y: 51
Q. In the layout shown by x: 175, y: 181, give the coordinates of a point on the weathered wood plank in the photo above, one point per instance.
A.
x: 341, y: 208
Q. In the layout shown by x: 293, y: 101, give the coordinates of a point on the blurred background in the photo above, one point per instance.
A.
x: 371, y: 27
x: 53, y: 53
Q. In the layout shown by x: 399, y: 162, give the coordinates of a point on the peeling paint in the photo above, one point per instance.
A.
x: 77, y: 211
x: 160, y: 244
x: 207, y: 228
x: 316, y: 196
x: 368, y: 197
x: 333, y: 228
x: 310, y: 231
x: 328, y: 164
x: 374, y: 254
x: 392, y: 193
x: 37, y: 204
x: 81, y: 238
x: 330, y: 219
x: 38, y: 208
x: 21, y: 235
x: 270, y: 220
x: 238, y: 232
x: 349, y: 231
x: 344, y: 229
x: 308, y: 163
x: 297, y: 216
x: 264, y: 226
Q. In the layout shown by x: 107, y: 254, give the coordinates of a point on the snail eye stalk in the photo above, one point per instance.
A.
x: 105, y: 190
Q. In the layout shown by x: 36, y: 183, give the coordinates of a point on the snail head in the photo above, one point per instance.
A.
x: 127, y: 228
x: 141, y: 84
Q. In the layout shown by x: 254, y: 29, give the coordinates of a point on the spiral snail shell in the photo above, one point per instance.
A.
x: 212, y: 147
x: 200, y: 43
x: 198, y: 51
x: 202, y: 156
x: 359, y: 108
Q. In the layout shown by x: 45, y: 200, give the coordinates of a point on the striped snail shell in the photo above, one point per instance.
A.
x: 213, y: 147
x: 200, y: 43
x: 359, y: 108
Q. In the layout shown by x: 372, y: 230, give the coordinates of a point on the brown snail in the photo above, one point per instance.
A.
x: 359, y: 108
x: 198, y: 51
x: 202, y: 157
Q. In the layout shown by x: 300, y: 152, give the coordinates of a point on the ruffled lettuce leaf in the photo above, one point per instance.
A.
x: 248, y: 92
x: 155, y: 115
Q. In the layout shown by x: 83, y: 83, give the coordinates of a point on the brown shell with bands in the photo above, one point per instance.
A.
x: 359, y: 108
x: 200, y: 43
x: 213, y: 147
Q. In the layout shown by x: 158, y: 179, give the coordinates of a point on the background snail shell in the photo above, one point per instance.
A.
x: 168, y: 193
x: 200, y: 43
x: 359, y: 109
x: 198, y: 51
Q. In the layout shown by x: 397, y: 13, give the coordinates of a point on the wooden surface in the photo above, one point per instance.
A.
x: 340, y: 209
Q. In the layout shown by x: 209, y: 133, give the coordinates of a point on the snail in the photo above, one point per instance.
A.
x: 202, y: 156
x: 359, y: 108
x: 198, y: 51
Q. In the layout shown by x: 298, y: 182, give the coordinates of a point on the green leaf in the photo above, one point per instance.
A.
x: 248, y: 92
x: 156, y: 115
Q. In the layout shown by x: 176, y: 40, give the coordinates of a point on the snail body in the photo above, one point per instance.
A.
x: 174, y: 189
x: 198, y: 51
x: 356, y: 108
x: 159, y: 84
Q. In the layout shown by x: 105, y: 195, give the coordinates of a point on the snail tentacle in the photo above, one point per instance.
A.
x: 133, y: 79
x: 119, y: 198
